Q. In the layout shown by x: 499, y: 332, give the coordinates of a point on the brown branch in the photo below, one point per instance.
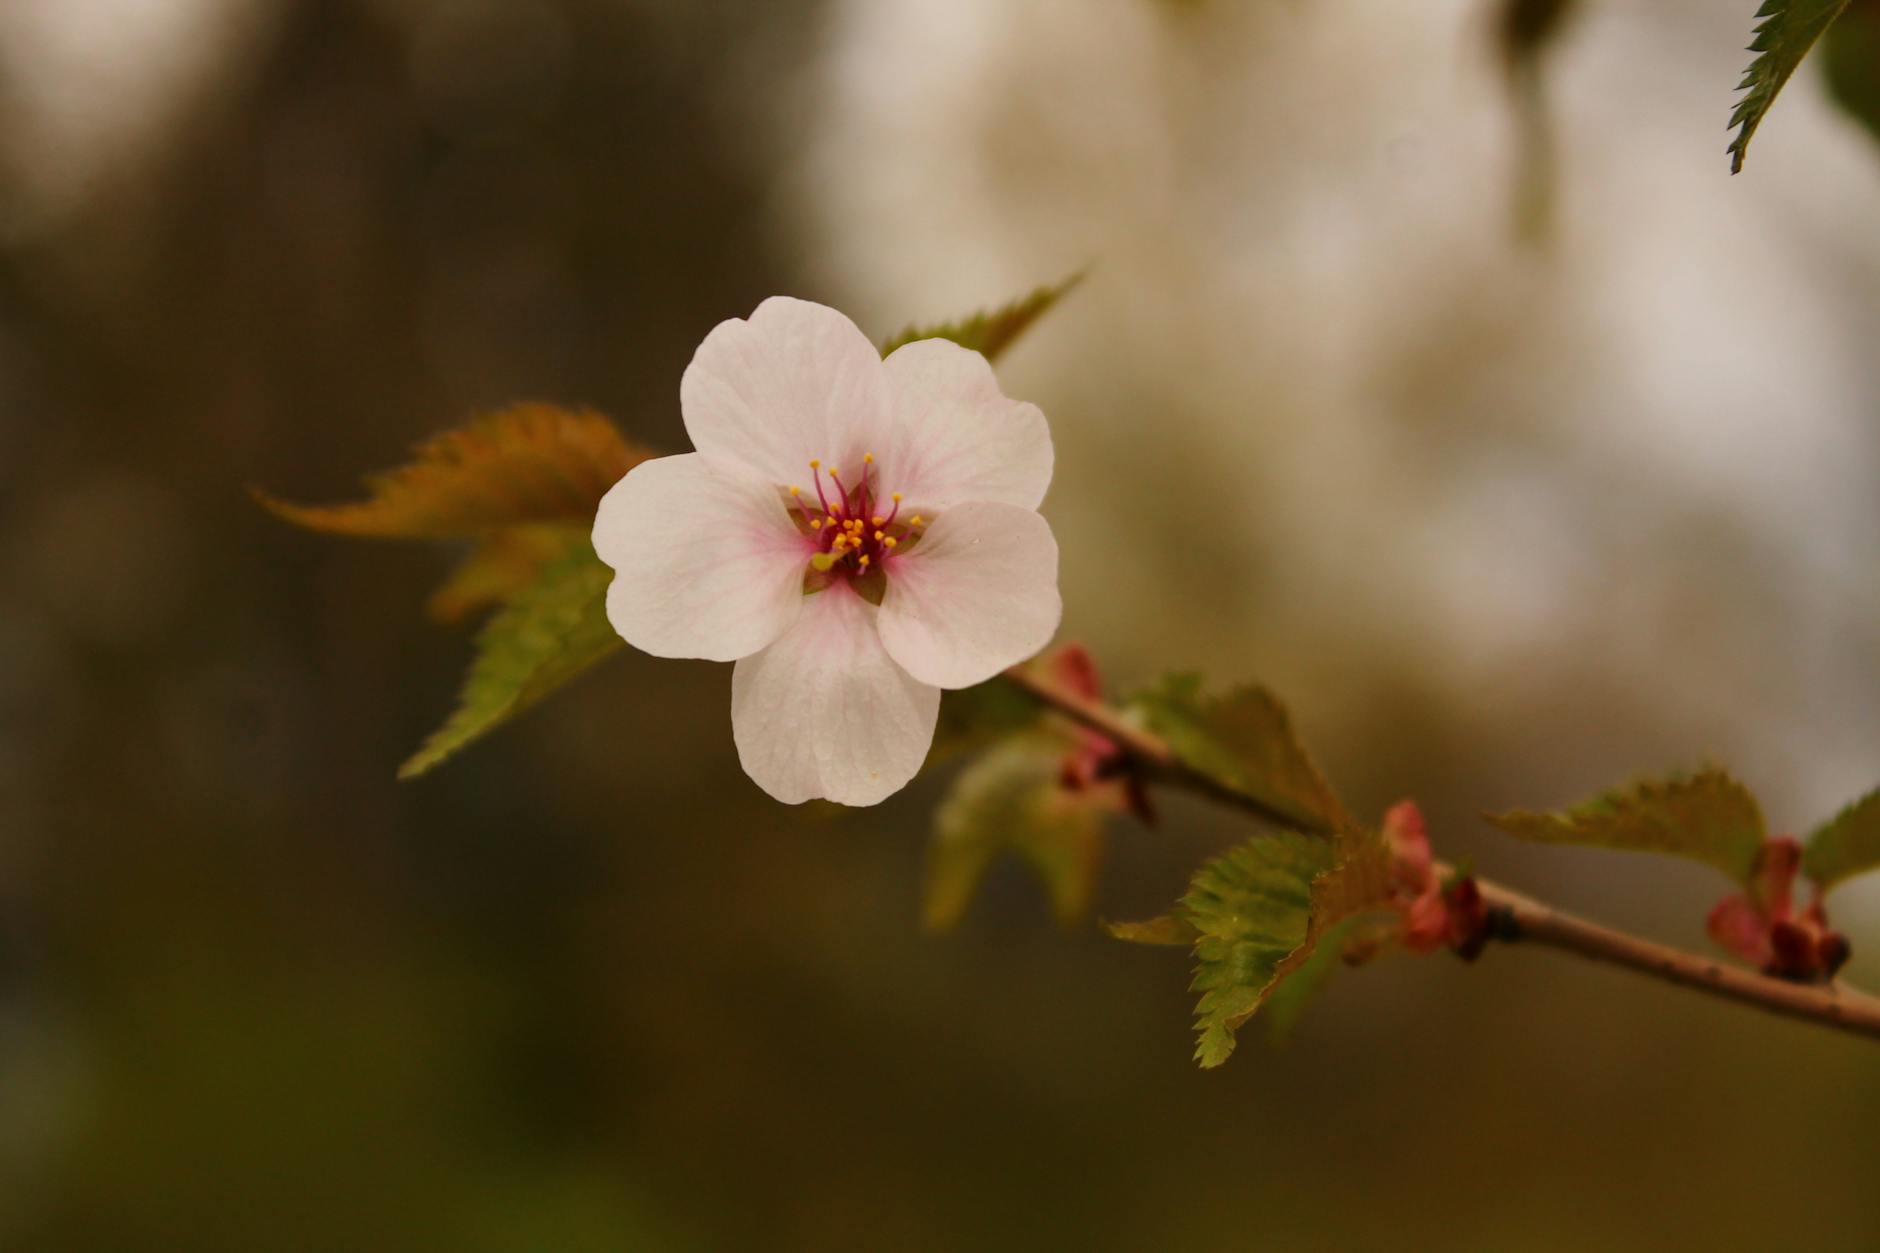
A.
x: 1514, y: 917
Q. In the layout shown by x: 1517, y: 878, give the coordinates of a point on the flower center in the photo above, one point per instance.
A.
x: 857, y: 530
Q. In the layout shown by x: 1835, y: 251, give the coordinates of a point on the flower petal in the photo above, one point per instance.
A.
x: 797, y: 380
x: 956, y: 436
x: 706, y: 566
x: 978, y: 594
x: 825, y: 712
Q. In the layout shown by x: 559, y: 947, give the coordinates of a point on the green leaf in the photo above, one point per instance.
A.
x: 1851, y: 57
x: 1847, y: 844
x: 1252, y: 910
x: 991, y: 333
x: 1785, y: 31
x: 1707, y: 816
x: 548, y: 633
x: 527, y: 464
x: 1349, y: 941
x: 498, y: 567
x: 1009, y: 801
x: 977, y: 717
x: 1245, y: 740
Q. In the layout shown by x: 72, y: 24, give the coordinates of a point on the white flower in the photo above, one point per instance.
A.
x: 856, y: 533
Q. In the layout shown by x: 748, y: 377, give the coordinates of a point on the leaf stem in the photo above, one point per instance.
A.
x: 1514, y: 917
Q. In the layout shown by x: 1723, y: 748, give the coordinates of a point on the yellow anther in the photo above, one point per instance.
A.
x: 868, y: 458
x: 834, y: 473
x: 879, y: 535
x: 895, y: 497
x: 864, y: 558
x: 891, y: 541
x: 815, y: 464
x: 877, y: 519
x: 796, y: 491
x: 916, y: 520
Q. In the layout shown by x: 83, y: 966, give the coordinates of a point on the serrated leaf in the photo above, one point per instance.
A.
x: 1009, y: 802
x: 526, y: 464
x: 1252, y: 910
x: 496, y: 568
x: 1785, y: 31
x: 1243, y: 739
x: 1707, y: 816
x: 990, y: 334
x: 1293, y: 990
x: 1847, y: 844
x: 548, y: 633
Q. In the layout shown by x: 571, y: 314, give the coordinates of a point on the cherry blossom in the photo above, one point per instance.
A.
x: 855, y: 533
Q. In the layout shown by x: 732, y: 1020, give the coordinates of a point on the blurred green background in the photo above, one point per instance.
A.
x: 1505, y: 518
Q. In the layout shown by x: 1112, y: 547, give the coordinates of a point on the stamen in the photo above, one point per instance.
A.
x: 916, y: 520
x: 880, y: 535
x: 877, y: 520
x: 891, y: 541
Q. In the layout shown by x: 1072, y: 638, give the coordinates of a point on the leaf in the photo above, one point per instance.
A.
x: 1707, y: 816
x: 1252, y: 911
x: 1785, y: 31
x: 496, y: 568
x: 975, y: 717
x: 1845, y: 845
x: 548, y: 633
x: 1167, y: 931
x: 1850, y: 53
x: 1360, y: 935
x: 527, y: 464
x: 990, y: 334
x: 1245, y: 740
x: 1009, y: 801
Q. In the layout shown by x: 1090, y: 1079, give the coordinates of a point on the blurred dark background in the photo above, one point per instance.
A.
x: 585, y: 987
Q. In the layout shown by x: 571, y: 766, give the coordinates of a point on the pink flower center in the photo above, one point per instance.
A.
x: 856, y: 530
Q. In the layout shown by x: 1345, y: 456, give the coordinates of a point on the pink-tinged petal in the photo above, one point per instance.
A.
x: 796, y: 381
x: 956, y: 436
x: 979, y: 593
x: 706, y: 566
x: 1408, y: 837
x: 1738, y: 927
x: 824, y: 712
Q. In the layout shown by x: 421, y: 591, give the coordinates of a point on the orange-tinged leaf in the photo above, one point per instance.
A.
x: 527, y: 464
